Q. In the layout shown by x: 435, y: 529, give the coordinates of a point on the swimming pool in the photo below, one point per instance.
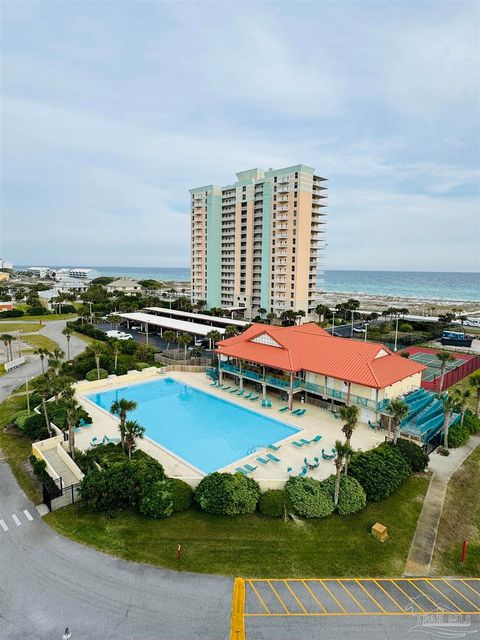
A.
x: 204, y: 430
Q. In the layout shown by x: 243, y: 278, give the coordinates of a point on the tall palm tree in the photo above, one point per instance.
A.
x: 133, y: 430
x: 461, y: 397
x: 42, y: 385
x: 97, y: 350
x: 67, y: 332
x: 230, y: 331
x: 55, y: 360
x: 115, y: 349
x: 474, y: 382
x: 115, y: 320
x: 398, y: 410
x: 120, y: 408
x: 6, y: 338
x: 349, y: 414
x: 343, y: 453
x: 185, y: 339
x: 43, y: 353
x: 449, y: 405
x: 271, y: 317
x: 73, y: 415
x: 213, y: 336
x: 444, y: 359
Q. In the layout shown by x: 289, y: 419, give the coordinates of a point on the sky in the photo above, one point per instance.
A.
x: 111, y: 111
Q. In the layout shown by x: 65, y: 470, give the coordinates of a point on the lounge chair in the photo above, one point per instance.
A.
x: 273, y: 458
x: 373, y: 425
x: 273, y: 447
x: 242, y: 471
x: 297, y: 444
x: 269, y: 404
x: 262, y: 460
x: 108, y: 440
x: 83, y: 423
x: 295, y: 412
x: 264, y: 404
x: 303, y: 441
x: 214, y: 383
x: 95, y: 442
x: 283, y: 409
x: 301, y: 412
x: 226, y: 388
x: 254, y: 398
x: 248, y: 396
x: 240, y: 393
x: 303, y: 472
x: 317, y: 438
x: 233, y: 391
x: 249, y: 468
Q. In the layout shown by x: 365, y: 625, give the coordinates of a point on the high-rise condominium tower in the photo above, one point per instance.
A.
x: 258, y: 243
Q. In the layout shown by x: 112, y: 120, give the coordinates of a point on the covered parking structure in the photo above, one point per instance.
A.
x: 160, y: 323
x: 203, y: 318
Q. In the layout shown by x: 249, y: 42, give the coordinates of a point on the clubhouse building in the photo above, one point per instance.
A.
x: 306, y: 362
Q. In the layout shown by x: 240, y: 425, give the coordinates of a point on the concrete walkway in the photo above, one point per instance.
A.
x: 423, y: 544
x: 59, y: 466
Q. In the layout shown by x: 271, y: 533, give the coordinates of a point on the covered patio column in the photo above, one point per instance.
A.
x: 264, y: 385
x: 220, y: 372
x: 146, y: 332
x: 240, y: 377
x: 290, y: 392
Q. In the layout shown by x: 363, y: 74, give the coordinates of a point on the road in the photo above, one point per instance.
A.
x: 53, y: 330
x: 48, y: 582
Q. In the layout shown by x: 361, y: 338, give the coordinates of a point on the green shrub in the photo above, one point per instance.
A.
x: 20, y: 418
x: 40, y: 470
x: 35, y: 399
x: 273, y: 503
x: 35, y: 428
x: 227, y: 494
x: 93, y: 374
x: 471, y: 422
x: 156, y: 502
x: 309, y: 497
x: 351, y: 497
x: 380, y: 471
x: 414, y: 455
x: 13, y: 313
x: 443, y: 452
x: 37, y: 311
x: 87, y: 330
x: 180, y: 492
x: 139, y: 366
x: 405, y: 327
x: 458, y: 435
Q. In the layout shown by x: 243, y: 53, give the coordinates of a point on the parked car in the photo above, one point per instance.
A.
x: 135, y: 327
x: 125, y: 336
x: 113, y: 333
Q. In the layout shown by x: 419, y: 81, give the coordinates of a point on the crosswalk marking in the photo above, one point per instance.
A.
x: 16, y: 519
x: 28, y: 515
x: 3, y: 525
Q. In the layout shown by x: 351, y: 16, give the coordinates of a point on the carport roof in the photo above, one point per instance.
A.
x: 171, y: 323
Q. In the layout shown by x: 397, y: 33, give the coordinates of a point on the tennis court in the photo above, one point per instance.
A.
x: 433, y: 364
x: 461, y: 366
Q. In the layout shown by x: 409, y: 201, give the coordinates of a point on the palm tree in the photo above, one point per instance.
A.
x: 73, y: 414
x: 120, y: 408
x: 474, y: 382
x: 461, y: 398
x: 349, y: 414
x: 398, y: 410
x: 43, y: 353
x: 42, y: 385
x: 6, y: 338
x: 343, y: 453
x: 67, y: 332
x: 230, y: 331
x: 449, y: 405
x: 55, y: 360
x: 169, y: 336
x: 115, y: 320
x: 262, y: 311
x: 185, y: 339
x: 271, y: 317
x: 322, y: 311
x: 213, y: 336
x: 133, y: 430
x: 115, y: 348
x: 444, y: 359
x: 97, y: 350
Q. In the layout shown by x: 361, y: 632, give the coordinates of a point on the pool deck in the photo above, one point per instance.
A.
x: 271, y: 475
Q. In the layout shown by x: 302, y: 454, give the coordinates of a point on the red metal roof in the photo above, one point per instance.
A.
x: 308, y: 347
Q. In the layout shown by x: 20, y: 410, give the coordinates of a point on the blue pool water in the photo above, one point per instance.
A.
x: 206, y: 431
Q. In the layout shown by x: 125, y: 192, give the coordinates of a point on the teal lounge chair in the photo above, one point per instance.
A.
x: 317, y: 438
x: 240, y: 393
x: 303, y: 472
x: 301, y: 412
x: 83, y: 423
x: 95, y: 442
x: 233, y: 391
x: 297, y: 444
x: 269, y: 404
x: 283, y: 409
x: 295, y: 412
x: 248, y: 396
x: 108, y: 440
x: 273, y: 447
x: 262, y: 460
x: 249, y: 468
x: 303, y: 441
x: 254, y: 398
x: 242, y: 471
x: 214, y: 383
x: 273, y: 458
x: 264, y: 404
x: 225, y: 388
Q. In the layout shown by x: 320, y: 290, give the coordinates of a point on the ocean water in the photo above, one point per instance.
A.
x: 411, y: 284
x: 207, y: 431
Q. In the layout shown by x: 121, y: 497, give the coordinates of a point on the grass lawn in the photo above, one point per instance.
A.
x: 465, y: 384
x: 49, y: 317
x: 87, y: 339
x: 254, y: 545
x: 40, y: 342
x: 13, y: 327
x: 460, y: 520
x: 16, y: 448
x: 2, y: 370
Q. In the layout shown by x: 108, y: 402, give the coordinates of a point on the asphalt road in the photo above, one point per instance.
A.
x: 53, y: 330
x: 48, y: 582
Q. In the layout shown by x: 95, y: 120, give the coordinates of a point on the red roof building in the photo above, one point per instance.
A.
x: 306, y: 359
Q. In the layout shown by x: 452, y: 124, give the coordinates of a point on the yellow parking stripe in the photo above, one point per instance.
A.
x: 278, y: 597
x: 237, y: 623
x: 460, y: 593
x: 331, y: 595
x: 371, y: 597
x: 294, y: 595
x: 388, y: 595
x: 349, y: 613
x: 474, y: 590
x: 314, y: 596
x: 409, y: 597
x: 430, y: 582
x: 350, y: 594
x: 426, y: 596
x: 259, y: 596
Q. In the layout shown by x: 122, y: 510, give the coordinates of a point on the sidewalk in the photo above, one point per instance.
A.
x: 423, y: 544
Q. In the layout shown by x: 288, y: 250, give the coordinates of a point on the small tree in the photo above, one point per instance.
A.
x: 67, y: 332
x: 461, y: 397
x: 184, y: 339
x: 444, y: 359
x: 133, y: 430
x: 214, y: 336
x: 343, y: 452
x: 322, y: 311
x: 170, y: 337
x: 474, y: 382
x: 398, y: 410
x: 448, y: 407
x: 115, y: 349
x: 230, y: 331
x: 120, y: 408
